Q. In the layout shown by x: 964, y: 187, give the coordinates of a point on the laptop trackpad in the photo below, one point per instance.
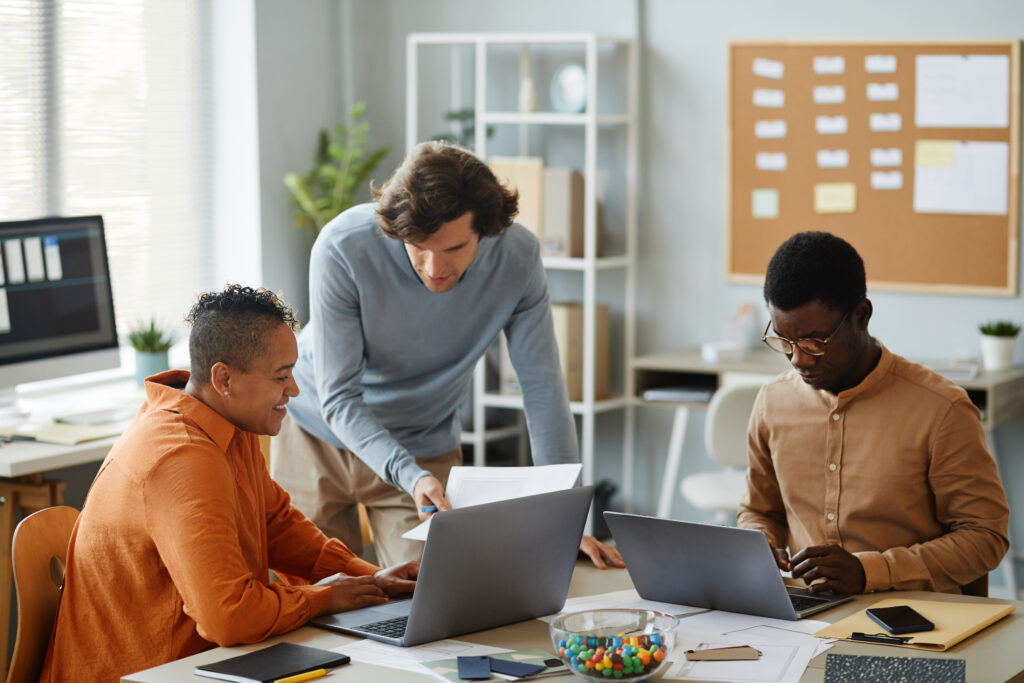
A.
x: 368, y: 615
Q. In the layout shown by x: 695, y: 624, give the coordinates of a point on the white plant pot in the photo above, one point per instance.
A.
x: 997, y: 352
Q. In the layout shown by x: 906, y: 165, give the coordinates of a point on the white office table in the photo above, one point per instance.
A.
x: 992, y: 655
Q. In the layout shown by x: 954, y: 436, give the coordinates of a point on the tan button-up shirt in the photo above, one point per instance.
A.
x: 894, y: 470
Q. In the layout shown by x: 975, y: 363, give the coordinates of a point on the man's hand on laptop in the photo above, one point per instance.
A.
x: 842, y: 572
x: 601, y: 554
x: 353, y: 592
x: 782, y: 559
x: 430, y: 497
x: 401, y: 578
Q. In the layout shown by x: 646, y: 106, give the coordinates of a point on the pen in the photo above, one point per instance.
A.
x: 428, y: 508
x: 308, y: 676
x: 879, y: 638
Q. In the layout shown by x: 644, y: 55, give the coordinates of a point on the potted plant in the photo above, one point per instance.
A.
x: 343, y: 165
x: 151, y: 345
x: 998, y: 341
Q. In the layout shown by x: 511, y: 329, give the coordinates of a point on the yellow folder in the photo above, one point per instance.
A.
x: 954, y: 621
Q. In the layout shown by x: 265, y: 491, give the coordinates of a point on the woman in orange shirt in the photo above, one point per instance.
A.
x: 172, y: 552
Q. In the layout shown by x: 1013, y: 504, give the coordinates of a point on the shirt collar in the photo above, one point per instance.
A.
x: 873, y: 378
x: 166, y: 392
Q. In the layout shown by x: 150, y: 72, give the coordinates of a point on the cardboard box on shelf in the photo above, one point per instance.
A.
x: 525, y: 174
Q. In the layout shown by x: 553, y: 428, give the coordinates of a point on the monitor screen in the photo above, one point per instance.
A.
x: 56, y: 308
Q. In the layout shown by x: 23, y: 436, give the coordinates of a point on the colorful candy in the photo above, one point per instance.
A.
x: 612, y: 656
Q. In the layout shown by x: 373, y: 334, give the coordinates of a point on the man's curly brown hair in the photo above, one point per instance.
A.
x: 437, y: 183
x: 230, y: 326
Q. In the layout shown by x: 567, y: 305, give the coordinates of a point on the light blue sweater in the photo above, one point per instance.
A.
x: 384, y: 362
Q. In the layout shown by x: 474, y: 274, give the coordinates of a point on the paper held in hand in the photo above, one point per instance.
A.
x: 478, y: 485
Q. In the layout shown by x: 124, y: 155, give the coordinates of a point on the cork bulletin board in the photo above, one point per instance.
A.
x: 908, y: 150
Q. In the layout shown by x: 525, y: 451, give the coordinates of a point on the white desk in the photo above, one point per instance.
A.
x: 992, y: 655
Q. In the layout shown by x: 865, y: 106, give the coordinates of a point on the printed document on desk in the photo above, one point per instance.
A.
x: 468, y: 486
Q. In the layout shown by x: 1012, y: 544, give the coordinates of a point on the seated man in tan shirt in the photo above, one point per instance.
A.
x: 172, y: 552
x: 871, y: 469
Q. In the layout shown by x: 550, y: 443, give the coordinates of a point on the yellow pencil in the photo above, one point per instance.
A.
x: 308, y: 676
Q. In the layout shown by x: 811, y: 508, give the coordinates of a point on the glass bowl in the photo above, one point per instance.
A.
x: 614, y: 643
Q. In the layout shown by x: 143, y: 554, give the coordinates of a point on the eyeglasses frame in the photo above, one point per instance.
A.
x: 796, y: 344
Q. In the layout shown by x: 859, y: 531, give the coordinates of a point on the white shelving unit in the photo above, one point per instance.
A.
x: 591, y: 121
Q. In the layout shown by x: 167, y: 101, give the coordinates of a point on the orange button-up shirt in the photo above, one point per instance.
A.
x: 894, y: 470
x: 172, y: 552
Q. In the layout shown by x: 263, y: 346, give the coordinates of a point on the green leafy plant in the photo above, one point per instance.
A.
x: 999, y: 328
x: 150, y: 339
x: 464, y: 121
x: 343, y: 165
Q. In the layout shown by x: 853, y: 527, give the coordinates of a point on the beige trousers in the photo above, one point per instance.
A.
x: 326, y: 482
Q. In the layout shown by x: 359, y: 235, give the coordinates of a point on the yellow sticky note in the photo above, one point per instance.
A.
x: 835, y: 197
x: 764, y: 203
x: 934, y: 153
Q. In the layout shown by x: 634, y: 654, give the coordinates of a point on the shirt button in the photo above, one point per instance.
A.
x: 831, y: 516
x: 835, y: 417
x: 832, y: 467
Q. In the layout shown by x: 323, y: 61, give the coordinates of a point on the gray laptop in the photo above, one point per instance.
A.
x: 483, y: 566
x: 704, y: 565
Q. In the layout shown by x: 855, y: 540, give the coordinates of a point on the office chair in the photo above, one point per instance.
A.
x: 725, y: 438
x: 39, y: 553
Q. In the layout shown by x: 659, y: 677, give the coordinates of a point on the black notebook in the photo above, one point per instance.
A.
x: 271, y: 663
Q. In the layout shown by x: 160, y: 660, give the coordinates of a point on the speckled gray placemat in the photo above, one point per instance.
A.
x: 866, y: 669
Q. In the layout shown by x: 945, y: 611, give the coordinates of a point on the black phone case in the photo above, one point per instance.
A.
x: 925, y: 625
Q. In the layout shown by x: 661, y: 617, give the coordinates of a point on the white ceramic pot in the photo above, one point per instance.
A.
x: 997, y: 352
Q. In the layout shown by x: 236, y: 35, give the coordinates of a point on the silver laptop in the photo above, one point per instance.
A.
x: 717, y: 567
x: 483, y: 566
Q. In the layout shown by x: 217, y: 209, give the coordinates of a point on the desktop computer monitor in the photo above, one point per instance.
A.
x: 56, y: 308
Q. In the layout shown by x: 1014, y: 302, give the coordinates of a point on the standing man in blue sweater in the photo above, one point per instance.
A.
x: 405, y: 296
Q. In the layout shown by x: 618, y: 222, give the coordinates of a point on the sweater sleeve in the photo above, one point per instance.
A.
x: 534, y: 353
x: 969, y: 502
x: 189, y: 503
x: 762, y: 506
x: 339, y: 365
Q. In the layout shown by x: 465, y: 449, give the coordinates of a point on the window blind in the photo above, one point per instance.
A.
x: 102, y: 111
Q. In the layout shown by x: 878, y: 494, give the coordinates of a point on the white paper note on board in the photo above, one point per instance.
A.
x: 771, y: 161
x: 886, y: 180
x: 880, y: 64
x: 830, y: 125
x: 885, y: 123
x: 977, y: 181
x: 829, y: 65
x: 889, y: 156
x: 833, y: 158
x: 769, y: 97
x: 883, y: 92
x: 768, y: 68
x: 962, y: 91
x: 829, y: 94
x: 770, y: 129
x: 764, y: 203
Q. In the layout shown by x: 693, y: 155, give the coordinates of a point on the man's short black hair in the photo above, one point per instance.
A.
x: 230, y: 327
x: 815, y: 265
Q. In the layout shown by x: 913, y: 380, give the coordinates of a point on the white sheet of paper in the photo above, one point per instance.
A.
x: 767, y: 97
x: 976, y: 183
x: 891, y: 156
x: 962, y: 91
x: 880, y: 64
x: 885, y: 123
x: 764, y: 202
x: 829, y: 65
x: 833, y: 158
x: 886, y: 180
x: 624, y: 599
x: 469, y: 486
x: 778, y: 664
x: 770, y: 129
x: 410, y: 658
x: 830, y: 125
x: 883, y: 92
x: 829, y: 94
x: 771, y: 161
x: 768, y: 68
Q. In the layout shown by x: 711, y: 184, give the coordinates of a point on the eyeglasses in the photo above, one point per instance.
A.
x: 812, y: 346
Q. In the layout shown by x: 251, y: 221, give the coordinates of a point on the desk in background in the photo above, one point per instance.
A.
x: 992, y: 655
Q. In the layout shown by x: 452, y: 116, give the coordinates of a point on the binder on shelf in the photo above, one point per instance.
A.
x: 563, y: 213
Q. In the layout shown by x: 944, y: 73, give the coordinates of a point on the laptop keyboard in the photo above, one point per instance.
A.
x: 802, y: 602
x: 389, y: 628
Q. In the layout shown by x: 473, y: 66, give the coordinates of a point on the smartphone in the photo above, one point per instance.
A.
x: 900, y: 619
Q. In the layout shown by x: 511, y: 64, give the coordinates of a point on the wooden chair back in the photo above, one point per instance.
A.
x: 39, y: 553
